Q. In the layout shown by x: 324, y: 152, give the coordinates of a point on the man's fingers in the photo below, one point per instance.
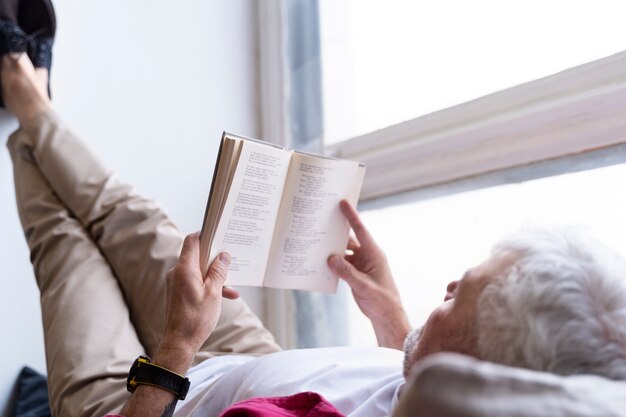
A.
x: 361, y: 232
x: 230, y: 293
x: 191, y: 249
x: 353, y: 245
x: 345, y: 270
x: 218, y: 268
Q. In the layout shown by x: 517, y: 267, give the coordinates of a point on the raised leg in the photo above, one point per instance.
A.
x: 90, y: 340
x: 133, y: 233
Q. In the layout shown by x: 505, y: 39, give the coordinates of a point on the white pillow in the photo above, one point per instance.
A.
x: 452, y: 385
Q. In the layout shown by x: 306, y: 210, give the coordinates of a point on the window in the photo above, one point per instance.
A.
x: 385, y: 62
x: 439, y: 96
x: 433, y: 241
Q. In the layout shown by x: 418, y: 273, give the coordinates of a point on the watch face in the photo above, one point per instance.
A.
x: 144, y: 372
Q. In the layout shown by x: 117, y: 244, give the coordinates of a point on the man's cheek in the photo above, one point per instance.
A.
x: 430, y: 339
x: 439, y: 316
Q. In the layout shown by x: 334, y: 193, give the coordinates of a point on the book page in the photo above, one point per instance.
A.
x: 222, y: 177
x: 311, y: 226
x: 248, y: 219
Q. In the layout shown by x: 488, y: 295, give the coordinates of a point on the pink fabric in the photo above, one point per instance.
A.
x: 304, y: 404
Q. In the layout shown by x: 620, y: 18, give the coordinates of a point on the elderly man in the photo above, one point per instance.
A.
x: 101, y: 253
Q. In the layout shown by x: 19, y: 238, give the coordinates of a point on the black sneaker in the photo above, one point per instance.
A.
x: 38, y: 20
x: 8, y: 10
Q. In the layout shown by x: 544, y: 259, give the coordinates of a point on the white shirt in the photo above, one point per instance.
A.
x: 359, y: 382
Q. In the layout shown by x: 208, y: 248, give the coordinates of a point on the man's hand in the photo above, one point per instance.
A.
x: 194, y: 304
x: 367, y: 273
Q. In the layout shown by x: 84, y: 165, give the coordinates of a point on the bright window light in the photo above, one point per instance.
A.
x: 388, y: 61
x: 433, y: 242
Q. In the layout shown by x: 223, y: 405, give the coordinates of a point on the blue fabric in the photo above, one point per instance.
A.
x: 32, y: 395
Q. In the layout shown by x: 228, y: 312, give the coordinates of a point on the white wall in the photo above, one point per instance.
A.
x: 150, y: 85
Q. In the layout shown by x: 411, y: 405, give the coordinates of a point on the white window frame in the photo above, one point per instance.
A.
x: 273, y: 71
x: 279, y: 311
x: 575, y: 111
x: 579, y: 110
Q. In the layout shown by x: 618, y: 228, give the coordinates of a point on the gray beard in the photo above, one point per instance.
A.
x: 410, y: 344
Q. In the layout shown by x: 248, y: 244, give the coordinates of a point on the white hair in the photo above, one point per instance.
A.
x: 561, y: 308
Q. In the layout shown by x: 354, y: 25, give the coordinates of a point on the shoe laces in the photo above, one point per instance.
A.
x: 17, y: 40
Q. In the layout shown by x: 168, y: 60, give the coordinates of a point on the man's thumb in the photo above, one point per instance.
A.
x: 344, y: 269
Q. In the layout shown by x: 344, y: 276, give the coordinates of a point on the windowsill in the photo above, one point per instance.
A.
x: 576, y: 111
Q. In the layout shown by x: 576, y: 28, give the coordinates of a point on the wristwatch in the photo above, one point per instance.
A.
x: 144, y: 371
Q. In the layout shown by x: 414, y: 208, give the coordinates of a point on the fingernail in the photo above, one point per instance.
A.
x: 335, y: 262
x: 225, y: 258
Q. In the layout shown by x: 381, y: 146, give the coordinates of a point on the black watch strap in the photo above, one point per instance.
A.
x: 145, y: 372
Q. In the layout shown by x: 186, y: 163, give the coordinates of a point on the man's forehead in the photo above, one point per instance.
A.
x: 498, y: 264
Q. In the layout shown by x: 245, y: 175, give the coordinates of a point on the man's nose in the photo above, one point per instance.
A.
x: 452, y: 286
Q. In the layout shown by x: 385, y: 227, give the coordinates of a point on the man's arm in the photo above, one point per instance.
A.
x: 194, y: 304
x: 367, y: 272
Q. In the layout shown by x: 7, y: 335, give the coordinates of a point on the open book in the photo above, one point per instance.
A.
x: 276, y: 212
